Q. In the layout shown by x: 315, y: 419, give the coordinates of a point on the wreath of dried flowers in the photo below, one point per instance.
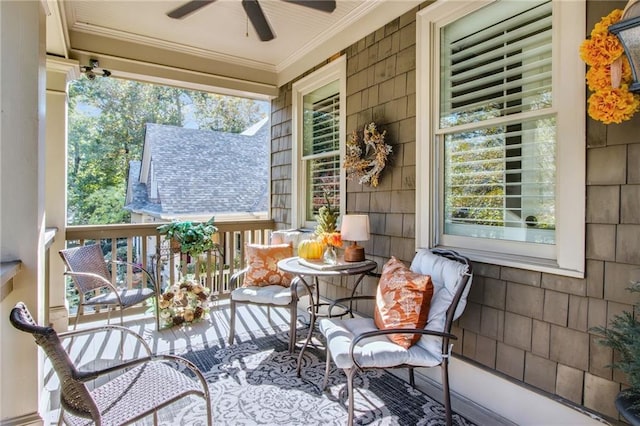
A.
x: 609, y: 74
x: 184, y: 303
x: 366, y: 157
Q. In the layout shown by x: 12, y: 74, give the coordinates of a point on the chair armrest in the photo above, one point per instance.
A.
x: 98, y: 277
x: 85, y: 376
x: 370, y: 334
x: 374, y: 274
x: 339, y: 302
x: 137, y: 266
x: 93, y: 330
x: 233, y: 281
x: 92, y: 375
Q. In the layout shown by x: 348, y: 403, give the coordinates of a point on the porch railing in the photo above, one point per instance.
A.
x: 140, y: 246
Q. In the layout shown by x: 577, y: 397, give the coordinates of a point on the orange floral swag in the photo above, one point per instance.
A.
x: 609, y: 74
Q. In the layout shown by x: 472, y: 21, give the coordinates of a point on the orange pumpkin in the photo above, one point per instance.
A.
x: 310, y: 249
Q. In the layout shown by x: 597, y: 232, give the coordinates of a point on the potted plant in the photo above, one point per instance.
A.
x: 191, y: 238
x: 623, y: 336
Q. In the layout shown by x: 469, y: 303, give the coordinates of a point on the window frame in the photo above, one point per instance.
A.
x: 336, y: 70
x: 567, y: 256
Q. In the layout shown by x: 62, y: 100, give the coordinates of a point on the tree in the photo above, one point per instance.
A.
x: 225, y: 113
x: 107, y: 118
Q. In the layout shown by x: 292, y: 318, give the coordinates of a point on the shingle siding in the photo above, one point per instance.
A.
x: 532, y: 326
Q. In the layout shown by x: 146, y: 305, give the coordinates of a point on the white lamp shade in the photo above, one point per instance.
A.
x: 355, y: 227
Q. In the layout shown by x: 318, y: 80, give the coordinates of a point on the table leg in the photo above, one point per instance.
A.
x: 353, y: 292
x: 312, y: 321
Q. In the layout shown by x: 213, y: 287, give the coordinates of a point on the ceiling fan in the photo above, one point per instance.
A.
x: 254, y: 12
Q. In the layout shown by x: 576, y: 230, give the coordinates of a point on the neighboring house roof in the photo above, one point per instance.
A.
x: 190, y: 172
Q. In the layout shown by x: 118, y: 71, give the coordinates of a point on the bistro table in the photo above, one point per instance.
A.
x: 309, y: 272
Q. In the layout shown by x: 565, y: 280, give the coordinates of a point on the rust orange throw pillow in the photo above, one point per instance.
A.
x: 402, y: 301
x: 262, y: 261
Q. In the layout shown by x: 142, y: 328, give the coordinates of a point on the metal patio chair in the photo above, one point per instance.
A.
x: 91, y: 276
x: 144, y: 386
x: 270, y: 296
x: 356, y: 344
x: 261, y: 293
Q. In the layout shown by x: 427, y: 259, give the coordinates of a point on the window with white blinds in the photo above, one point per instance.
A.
x: 499, y: 178
x: 501, y: 132
x: 321, y: 147
x: 318, y: 128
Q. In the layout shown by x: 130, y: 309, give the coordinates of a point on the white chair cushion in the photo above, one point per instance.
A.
x: 445, y: 275
x: 271, y: 294
x: 377, y: 351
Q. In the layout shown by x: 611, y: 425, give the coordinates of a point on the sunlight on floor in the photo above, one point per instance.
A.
x: 214, y: 330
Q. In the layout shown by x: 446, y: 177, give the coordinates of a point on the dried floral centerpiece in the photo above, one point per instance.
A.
x: 327, y: 229
x: 184, y: 303
x: 609, y: 74
x: 366, y: 157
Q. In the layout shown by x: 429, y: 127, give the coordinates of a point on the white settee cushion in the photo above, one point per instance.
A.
x: 380, y: 351
x: 272, y: 294
x: 377, y: 351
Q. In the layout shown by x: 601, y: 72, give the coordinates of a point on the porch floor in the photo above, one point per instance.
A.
x: 252, y: 322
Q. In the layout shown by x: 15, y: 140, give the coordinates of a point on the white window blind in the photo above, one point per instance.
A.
x: 321, y: 147
x: 497, y: 131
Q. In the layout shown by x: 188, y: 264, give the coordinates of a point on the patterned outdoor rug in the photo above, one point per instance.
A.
x: 254, y: 382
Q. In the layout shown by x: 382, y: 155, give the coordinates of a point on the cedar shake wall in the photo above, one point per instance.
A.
x: 528, y: 326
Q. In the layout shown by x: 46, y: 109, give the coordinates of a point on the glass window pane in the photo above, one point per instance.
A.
x: 499, y: 182
x: 323, y: 174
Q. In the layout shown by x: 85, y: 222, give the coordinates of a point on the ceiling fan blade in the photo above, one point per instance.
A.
x: 258, y: 20
x: 322, y: 5
x: 188, y: 8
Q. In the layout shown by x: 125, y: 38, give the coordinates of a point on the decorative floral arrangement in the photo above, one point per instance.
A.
x: 366, y: 157
x: 609, y: 74
x: 333, y: 239
x: 327, y: 227
x: 184, y: 303
x: 327, y: 230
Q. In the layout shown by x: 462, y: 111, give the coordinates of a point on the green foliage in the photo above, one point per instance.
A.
x: 107, y: 118
x: 224, y: 113
x: 623, y: 336
x: 194, y: 238
x: 104, y: 205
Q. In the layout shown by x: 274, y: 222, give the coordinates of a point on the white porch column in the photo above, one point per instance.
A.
x: 22, y: 214
x: 59, y: 73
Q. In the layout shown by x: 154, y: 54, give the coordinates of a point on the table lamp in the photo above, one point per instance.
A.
x: 355, y: 227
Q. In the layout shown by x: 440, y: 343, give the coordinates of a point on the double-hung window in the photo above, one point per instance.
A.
x: 318, y: 129
x: 501, y: 132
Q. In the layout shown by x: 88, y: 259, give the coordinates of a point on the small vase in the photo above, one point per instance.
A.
x: 329, y: 256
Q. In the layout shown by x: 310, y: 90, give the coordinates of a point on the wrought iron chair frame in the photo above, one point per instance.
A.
x: 75, y: 397
x: 292, y: 306
x: 447, y: 336
x: 105, y: 283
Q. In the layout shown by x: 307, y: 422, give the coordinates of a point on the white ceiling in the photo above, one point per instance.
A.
x: 217, y: 39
